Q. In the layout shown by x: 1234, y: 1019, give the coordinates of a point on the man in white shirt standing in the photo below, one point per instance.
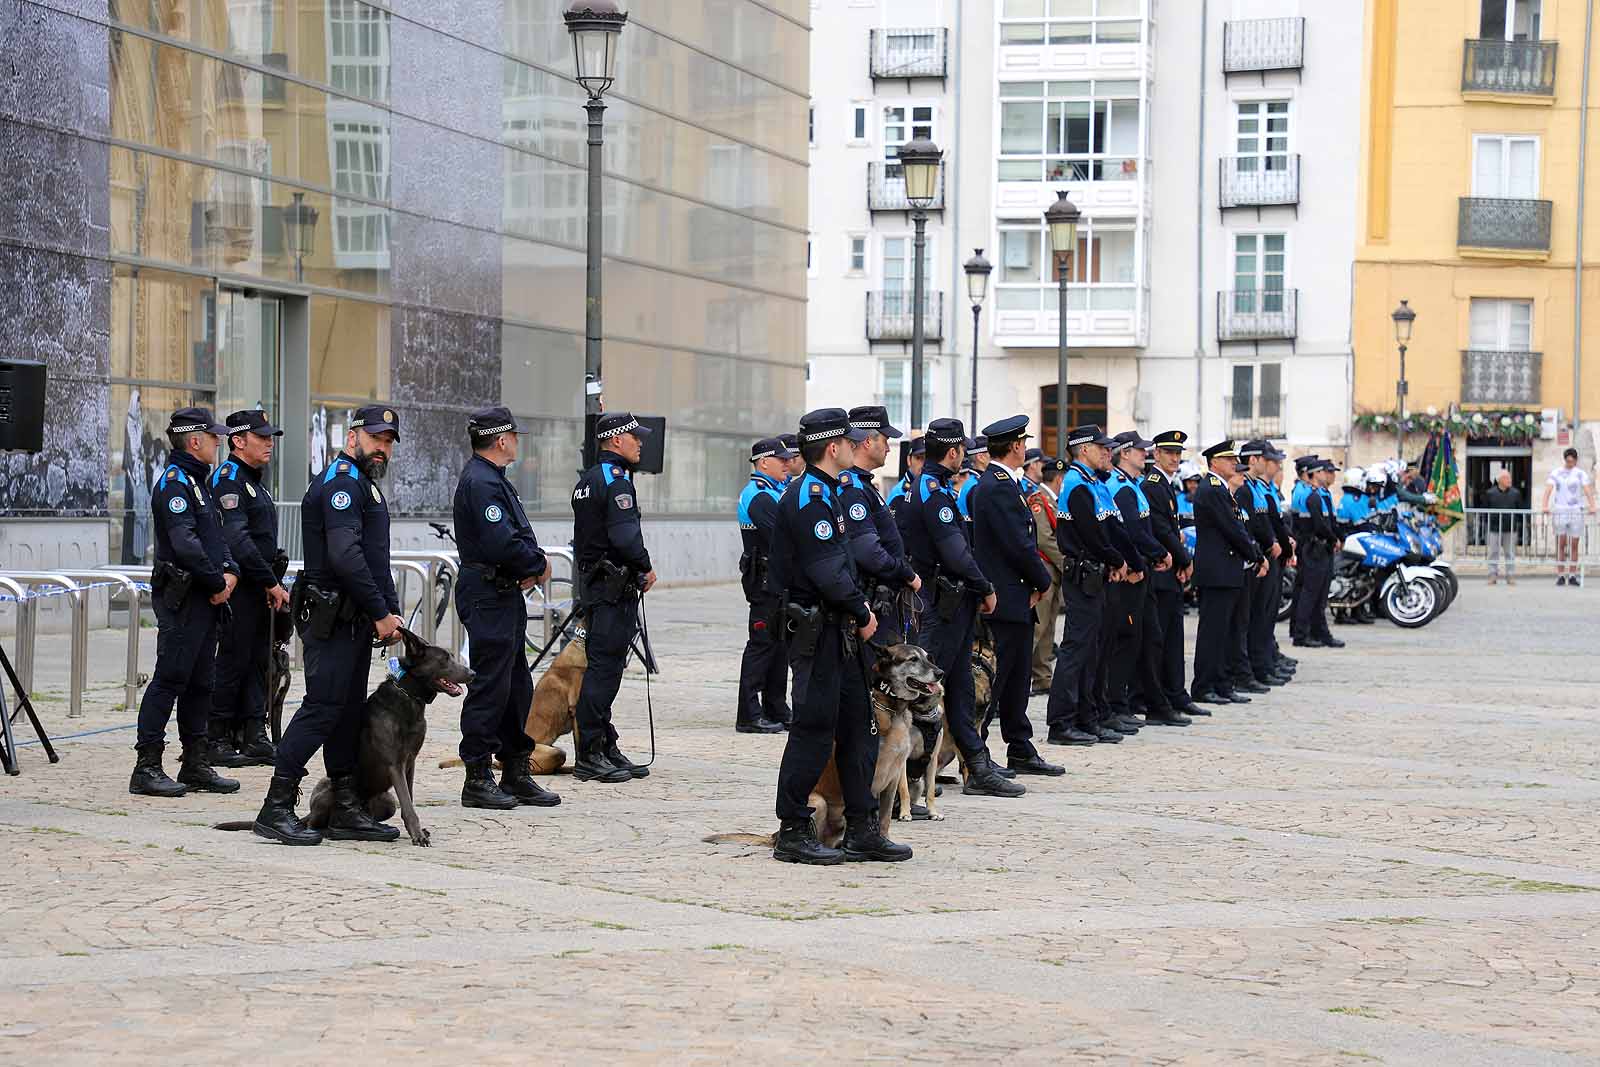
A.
x: 1571, y: 489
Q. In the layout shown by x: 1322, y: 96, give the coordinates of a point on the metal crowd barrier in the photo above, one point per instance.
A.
x: 433, y: 564
x: 1528, y: 536
x: 551, y: 606
x: 78, y: 605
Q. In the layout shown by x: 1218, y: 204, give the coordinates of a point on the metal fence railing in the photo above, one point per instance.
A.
x: 1526, y: 68
x: 1493, y: 538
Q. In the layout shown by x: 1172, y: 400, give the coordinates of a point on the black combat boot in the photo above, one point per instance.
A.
x: 797, y: 843
x: 760, y: 724
x: 614, y: 754
x: 864, y: 840
x: 985, y: 780
x: 277, y: 820
x: 149, y: 779
x: 480, y: 790
x: 350, y: 821
x: 256, y: 749
x: 517, y: 781
x: 198, y: 774
x: 219, y: 746
x: 594, y: 765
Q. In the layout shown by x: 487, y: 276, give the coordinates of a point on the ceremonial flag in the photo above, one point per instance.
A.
x: 1443, y: 482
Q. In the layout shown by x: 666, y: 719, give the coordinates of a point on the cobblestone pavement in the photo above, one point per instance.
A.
x: 1392, y: 860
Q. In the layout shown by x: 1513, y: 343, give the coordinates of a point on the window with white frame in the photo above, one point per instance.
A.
x: 902, y: 123
x: 1501, y: 325
x: 858, y: 123
x: 1257, y: 393
x: 1259, y: 262
x: 1101, y: 277
x: 358, y: 49
x: 895, y: 270
x: 1069, y: 131
x: 1261, y: 135
x: 1057, y: 22
x: 360, y: 168
x: 857, y: 261
x: 894, y: 376
x: 1505, y: 167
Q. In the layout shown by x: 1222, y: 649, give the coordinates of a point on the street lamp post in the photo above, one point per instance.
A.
x: 1403, y: 318
x: 919, y: 160
x: 977, y: 269
x: 596, y: 28
x: 1062, y: 220
x: 300, y: 233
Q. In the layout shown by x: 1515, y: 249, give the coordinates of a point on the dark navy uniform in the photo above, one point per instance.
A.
x: 498, y: 552
x: 1005, y: 542
x: 901, y: 498
x: 250, y: 524
x: 1223, y: 549
x: 1318, y: 542
x: 1303, y: 465
x: 1166, y: 591
x: 612, y: 561
x: 1132, y: 654
x: 763, y: 674
x: 875, y: 541
x: 1250, y: 660
x: 190, y: 547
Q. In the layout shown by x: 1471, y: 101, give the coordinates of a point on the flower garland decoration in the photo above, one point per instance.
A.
x: 1513, y: 426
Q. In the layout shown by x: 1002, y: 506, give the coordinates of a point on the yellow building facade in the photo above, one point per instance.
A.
x: 1471, y: 205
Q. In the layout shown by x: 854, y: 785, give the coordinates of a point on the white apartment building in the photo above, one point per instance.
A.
x: 1211, y: 148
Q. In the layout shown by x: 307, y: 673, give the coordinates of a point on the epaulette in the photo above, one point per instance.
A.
x: 1000, y: 472
x: 816, y: 488
x: 1218, y: 482
x: 616, y: 472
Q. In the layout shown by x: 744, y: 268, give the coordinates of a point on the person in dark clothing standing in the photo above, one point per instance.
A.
x: 194, y: 577
x: 763, y: 674
x: 887, y: 576
x: 1273, y: 596
x: 1250, y: 667
x: 1223, y: 551
x: 1316, y: 561
x: 1501, y: 532
x: 1166, y: 594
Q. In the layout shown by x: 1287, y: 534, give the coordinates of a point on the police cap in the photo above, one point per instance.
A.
x: 977, y: 444
x: 375, y: 418
x: 252, y: 422
x: 1005, y: 431
x: 1033, y: 455
x: 769, y: 448
x: 1174, y: 439
x: 1221, y: 448
x: 919, y: 447
x: 1052, y: 467
x: 1326, y: 465
x: 615, y: 423
x: 791, y: 442
x: 194, y: 420
x: 487, y: 423
x: 874, y: 417
x: 1275, y: 453
x: 1256, y: 447
x: 1305, y: 463
x: 825, y: 424
x: 947, y: 432
x: 1129, y: 439
x: 1088, y: 435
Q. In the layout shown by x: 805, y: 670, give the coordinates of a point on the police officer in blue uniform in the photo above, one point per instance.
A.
x: 500, y: 559
x: 1032, y: 470
x: 1223, y: 551
x: 900, y: 492
x: 341, y: 599
x: 1166, y: 587
x: 796, y: 465
x: 954, y: 591
x: 886, y: 574
x: 1317, y: 547
x: 763, y: 674
x: 194, y: 577
x: 616, y: 570
x: 1304, y: 466
x: 238, y: 733
x: 1005, y: 543
x: 1250, y: 663
x: 1280, y: 663
x: 828, y: 624
x: 1085, y: 514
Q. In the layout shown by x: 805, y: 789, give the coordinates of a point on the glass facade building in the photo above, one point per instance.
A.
x: 155, y: 153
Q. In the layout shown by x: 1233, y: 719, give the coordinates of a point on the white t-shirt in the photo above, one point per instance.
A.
x: 1569, y: 483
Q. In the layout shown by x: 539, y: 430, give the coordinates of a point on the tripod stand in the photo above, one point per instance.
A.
x: 8, y: 741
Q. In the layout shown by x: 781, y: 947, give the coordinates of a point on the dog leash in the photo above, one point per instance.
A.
x: 649, y: 707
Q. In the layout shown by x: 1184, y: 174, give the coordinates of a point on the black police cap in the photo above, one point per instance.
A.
x: 1089, y: 434
x: 1255, y: 447
x: 825, y: 424
x: 947, y: 432
x: 254, y: 421
x: 1130, y: 439
x: 874, y: 417
x: 1221, y: 449
x: 194, y: 420
x: 1033, y: 455
x: 1006, y: 430
x: 977, y: 445
x: 919, y: 447
x: 375, y: 418
x: 769, y: 448
x: 1052, y: 467
x: 1305, y: 463
x: 492, y: 422
x: 1171, y: 439
x: 615, y: 423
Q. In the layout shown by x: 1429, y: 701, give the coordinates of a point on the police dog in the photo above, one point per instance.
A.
x: 917, y: 799
x: 905, y: 686
x: 551, y: 715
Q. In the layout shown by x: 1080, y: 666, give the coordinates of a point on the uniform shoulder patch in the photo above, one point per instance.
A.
x: 344, y: 468
x: 624, y: 501
x: 858, y: 512
x: 823, y: 529
x: 493, y: 513
x: 340, y: 500
x: 178, y: 505
x: 229, y: 501
x: 946, y: 515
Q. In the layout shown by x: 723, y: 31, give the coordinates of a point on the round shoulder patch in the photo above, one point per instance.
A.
x: 493, y: 513
x: 823, y: 530
x: 178, y: 505
x: 340, y: 501
x: 858, y: 512
x: 946, y: 515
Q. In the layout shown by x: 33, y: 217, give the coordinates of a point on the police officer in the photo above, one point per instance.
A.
x: 1090, y: 560
x: 1303, y: 468
x: 966, y: 479
x: 796, y: 465
x: 616, y: 571
x: 829, y: 624
x: 954, y: 591
x: 900, y: 492
x: 1005, y: 543
x: 1317, y: 547
x: 1166, y: 587
x: 887, y: 576
x: 763, y: 674
x: 194, y: 577
x: 1223, y: 551
x: 1273, y: 469
x: 1042, y: 502
x: 1250, y: 664
x: 1032, y: 470
x: 341, y: 599
x: 500, y: 559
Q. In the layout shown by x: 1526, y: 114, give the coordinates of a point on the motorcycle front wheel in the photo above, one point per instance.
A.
x: 1411, y: 604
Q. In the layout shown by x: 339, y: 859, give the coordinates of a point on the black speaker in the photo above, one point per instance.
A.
x: 21, y: 405
x: 653, y: 456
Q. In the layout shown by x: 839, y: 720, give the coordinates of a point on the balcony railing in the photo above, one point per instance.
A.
x: 922, y: 52
x: 1263, y: 44
x: 1258, y: 315
x: 1255, y: 416
x: 1254, y: 181
x: 1525, y: 68
x: 1489, y: 377
x: 889, y: 315
x: 886, y: 188
x: 1497, y: 223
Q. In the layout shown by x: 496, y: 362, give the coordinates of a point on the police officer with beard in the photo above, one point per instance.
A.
x: 616, y: 571
x: 886, y: 574
x: 344, y: 595
x: 763, y: 674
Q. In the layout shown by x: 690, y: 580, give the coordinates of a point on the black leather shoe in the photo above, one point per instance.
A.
x: 797, y: 843
x: 1308, y: 642
x: 1288, y: 661
x: 1071, y: 736
x: 350, y: 821
x: 1126, y: 724
x: 1166, y: 718
x: 256, y: 748
x: 1197, y: 710
x: 480, y: 789
x: 277, y: 821
x: 1270, y: 681
x: 1234, y: 696
x: 1188, y: 707
x: 762, y: 725
x: 1200, y: 696
x: 1107, y: 736
x: 220, y: 751
x: 517, y: 781
x: 148, y: 779
x: 596, y: 766
x: 637, y: 770
x: 1034, y: 764
x: 1250, y: 687
x: 1332, y: 642
x: 197, y: 774
x: 985, y: 780
x: 1005, y: 772
x: 783, y: 715
x: 864, y: 840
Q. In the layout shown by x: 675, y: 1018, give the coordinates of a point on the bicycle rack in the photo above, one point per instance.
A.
x: 23, y: 660
x: 77, y: 666
x: 404, y: 569
x: 436, y: 562
x: 552, y: 617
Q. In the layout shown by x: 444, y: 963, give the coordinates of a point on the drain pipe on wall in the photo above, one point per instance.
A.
x: 952, y: 201
x: 1200, y: 229
x: 1577, y: 270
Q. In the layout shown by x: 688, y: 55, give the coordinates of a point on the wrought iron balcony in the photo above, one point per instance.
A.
x: 1260, y: 415
x: 1526, y: 68
x: 1263, y: 44
x: 1258, y: 315
x: 1511, y: 225
x: 886, y: 188
x: 1254, y: 181
x: 917, y: 52
x: 1489, y: 377
x: 889, y: 315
